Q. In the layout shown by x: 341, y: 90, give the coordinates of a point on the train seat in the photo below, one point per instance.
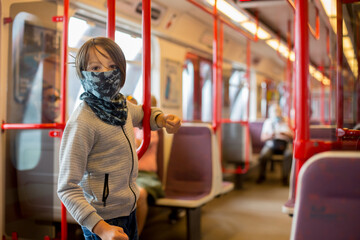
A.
x: 193, y: 174
x: 328, y: 197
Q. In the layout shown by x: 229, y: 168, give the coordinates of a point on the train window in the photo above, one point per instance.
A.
x: 36, y: 78
x: 206, y: 91
x: 130, y: 44
x: 188, y: 91
x: 238, y: 95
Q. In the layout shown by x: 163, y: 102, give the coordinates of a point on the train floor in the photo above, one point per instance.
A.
x: 250, y: 213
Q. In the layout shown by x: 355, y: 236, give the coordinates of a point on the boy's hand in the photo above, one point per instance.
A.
x: 170, y: 122
x: 108, y: 232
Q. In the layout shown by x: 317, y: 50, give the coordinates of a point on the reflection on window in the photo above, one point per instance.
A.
x: 35, y: 66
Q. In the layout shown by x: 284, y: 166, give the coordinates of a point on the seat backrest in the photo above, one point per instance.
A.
x: 189, y: 168
x: 323, y: 132
x: 233, y: 138
x: 255, y: 135
x: 327, y: 204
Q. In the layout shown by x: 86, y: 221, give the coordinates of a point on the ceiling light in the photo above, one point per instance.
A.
x: 251, y: 27
x: 229, y: 10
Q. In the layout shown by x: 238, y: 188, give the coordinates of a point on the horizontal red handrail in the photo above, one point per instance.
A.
x: 21, y: 126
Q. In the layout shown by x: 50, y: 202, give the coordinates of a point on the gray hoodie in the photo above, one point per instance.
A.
x: 99, y: 165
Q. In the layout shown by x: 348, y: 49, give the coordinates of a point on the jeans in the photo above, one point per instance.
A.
x: 127, y: 223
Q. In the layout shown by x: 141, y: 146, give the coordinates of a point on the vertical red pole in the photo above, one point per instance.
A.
x: 215, y: 69
x: 294, y: 67
x: 358, y: 97
x: 358, y: 60
x: 302, y: 132
x: 14, y: 236
x: 64, y: 61
x: 330, y: 92
x: 322, y: 104
x: 247, y: 127
x: 220, y: 87
x: 63, y: 97
x: 339, y: 83
x: 317, y: 24
x: 248, y: 65
x: 146, y: 69
x: 111, y: 22
x: 330, y: 72
x: 322, y: 97
x: 288, y: 76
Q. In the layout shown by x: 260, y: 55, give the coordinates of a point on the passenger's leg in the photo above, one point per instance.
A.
x: 265, y: 156
x: 142, y: 209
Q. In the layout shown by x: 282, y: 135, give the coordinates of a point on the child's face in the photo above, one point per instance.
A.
x: 100, y: 62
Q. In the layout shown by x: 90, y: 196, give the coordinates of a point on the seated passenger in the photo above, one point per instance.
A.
x: 277, y: 137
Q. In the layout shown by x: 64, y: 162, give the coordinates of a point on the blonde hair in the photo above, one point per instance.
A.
x: 111, y: 47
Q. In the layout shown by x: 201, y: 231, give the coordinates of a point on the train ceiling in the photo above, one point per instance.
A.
x: 274, y: 16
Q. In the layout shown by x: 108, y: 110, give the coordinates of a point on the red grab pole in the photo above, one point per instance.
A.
x: 339, y: 84
x: 302, y: 131
x: 146, y: 69
x: 63, y: 98
x: 215, y: 69
x: 110, y: 24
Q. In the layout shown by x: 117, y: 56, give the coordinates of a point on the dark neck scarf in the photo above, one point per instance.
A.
x: 113, y: 112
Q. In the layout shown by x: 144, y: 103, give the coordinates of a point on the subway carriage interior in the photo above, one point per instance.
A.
x: 217, y: 64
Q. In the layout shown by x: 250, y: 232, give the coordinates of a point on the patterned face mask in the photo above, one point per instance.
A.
x: 103, y: 97
x: 103, y: 85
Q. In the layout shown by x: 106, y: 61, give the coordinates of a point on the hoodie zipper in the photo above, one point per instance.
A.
x: 132, y: 166
x: 106, y: 189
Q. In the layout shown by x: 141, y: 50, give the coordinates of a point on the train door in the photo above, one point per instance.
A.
x: 33, y: 98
